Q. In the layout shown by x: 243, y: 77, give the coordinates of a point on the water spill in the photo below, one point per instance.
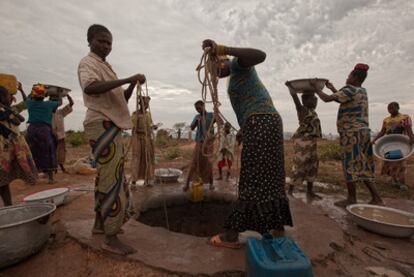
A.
x: 327, y: 205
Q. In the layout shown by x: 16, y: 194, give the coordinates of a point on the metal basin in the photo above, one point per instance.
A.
x: 167, y: 174
x: 304, y: 85
x: 24, y: 229
x: 383, y: 220
x: 393, y: 142
x: 55, y: 196
x: 56, y: 91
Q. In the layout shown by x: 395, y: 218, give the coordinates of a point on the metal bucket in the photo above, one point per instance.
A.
x: 56, y: 91
x: 305, y: 84
x: 393, y: 142
x: 383, y: 220
x: 167, y: 174
x: 24, y: 229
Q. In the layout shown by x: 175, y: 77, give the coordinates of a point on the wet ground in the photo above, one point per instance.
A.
x: 336, y: 246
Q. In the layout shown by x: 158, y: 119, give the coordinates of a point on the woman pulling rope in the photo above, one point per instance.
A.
x: 143, y: 157
x: 262, y: 204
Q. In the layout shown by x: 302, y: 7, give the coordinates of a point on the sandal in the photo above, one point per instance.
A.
x: 216, y: 241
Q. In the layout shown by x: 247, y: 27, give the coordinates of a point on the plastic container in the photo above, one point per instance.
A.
x: 197, y: 190
x: 394, y: 155
x: 56, y: 196
x: 9, y: 82
x: 280, y: 257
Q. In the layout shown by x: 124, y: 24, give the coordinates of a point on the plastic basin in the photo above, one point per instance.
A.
x: 55, y: 196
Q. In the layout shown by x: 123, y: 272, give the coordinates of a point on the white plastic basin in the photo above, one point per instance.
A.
x: 55, y: 196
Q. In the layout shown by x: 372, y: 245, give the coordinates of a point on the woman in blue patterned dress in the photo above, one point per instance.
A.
x: 262, y: 204
x: 353, y: 128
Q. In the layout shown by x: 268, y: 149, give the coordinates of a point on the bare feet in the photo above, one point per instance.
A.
x: 290, y: 190
x: 313, y: 196
x: 344, y: 203
x: 219, y: 178
x: 98, y: 227
x: 278, y: 233
x: 114, y: 245
x: 376, y: 201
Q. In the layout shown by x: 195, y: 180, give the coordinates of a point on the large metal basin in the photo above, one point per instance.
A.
x: 304, y: 85
x: 24, y: 229
x: 383, y: 220
x: 167, y: 175
x: 393, y: 142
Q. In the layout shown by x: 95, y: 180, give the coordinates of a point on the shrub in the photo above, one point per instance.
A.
x: 173, y: 153
x: 75, y: 138
x: 330, y: 151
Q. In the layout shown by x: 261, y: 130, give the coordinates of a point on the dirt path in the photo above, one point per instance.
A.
x: 62, y: 256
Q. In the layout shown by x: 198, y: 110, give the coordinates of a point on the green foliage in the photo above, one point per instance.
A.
x: 173, y: 153
x: 76, y: 138
x: 330, y: 151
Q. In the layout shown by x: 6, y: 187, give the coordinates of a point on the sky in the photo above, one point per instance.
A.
x: 44, y: 40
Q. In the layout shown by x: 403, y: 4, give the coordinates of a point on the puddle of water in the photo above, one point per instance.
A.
x: 326, y: 204
x: 315, y: 184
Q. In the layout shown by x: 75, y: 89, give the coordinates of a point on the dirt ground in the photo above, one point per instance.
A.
x: 62, y: 256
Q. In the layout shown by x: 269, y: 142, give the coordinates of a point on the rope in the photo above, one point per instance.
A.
x: 209, y: 65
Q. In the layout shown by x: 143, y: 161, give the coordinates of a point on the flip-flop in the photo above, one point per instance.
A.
x: 216, y: 241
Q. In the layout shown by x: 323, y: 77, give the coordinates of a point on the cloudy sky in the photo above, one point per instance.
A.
x: 43, y: 41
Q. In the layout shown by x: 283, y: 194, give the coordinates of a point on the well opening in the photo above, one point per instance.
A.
x: 201, y: 219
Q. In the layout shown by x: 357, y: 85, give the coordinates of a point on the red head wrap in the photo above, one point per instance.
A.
x: 362, y: 66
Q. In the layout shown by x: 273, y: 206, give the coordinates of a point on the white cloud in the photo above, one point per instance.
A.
x: 43, y: 41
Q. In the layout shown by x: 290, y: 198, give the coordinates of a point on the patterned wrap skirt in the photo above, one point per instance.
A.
x: 262, y: 204
x: 357, y: 156
x: 111, y: 198
x: 143, y: 158
x: 305, y: 160
x: 61, y: 151
x: 42, y: 145
x: 16, y: 161
x: 396, y: 170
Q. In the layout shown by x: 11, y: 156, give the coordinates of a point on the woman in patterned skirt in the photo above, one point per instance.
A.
x: 262, y: 204
x: 396, y: 123
x: 355, y: 138
x: 16, y: 160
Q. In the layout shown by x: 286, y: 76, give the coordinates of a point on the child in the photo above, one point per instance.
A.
x: 226, y: 151
x: 39, y: 133
x: 201, y: 166
x: 15, y: 158
x: 305, y: 161
x: 58, y: 127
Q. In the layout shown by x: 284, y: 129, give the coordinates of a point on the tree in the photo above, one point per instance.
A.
x: 178, y: 128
